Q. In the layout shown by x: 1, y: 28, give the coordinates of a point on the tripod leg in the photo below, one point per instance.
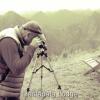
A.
x: 41, y: 78
x: 35, y: 65
x: 28, y: 89
x: 59, y: 86
x: 41, y: 74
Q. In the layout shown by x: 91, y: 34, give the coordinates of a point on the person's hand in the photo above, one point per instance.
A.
x: 36, y: 42
x: 42, y: 37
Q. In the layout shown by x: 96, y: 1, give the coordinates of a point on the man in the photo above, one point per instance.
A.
x: 14, y: 59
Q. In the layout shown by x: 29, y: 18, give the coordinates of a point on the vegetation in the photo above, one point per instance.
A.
x: 72, y: 36
x: 64, y: 29
x: 70, y: 74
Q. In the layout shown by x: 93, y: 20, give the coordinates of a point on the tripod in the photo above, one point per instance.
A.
x: 40, y: 55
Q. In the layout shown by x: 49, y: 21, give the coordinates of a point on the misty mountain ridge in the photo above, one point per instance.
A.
x: 72, y: 30
x: 10, y: 19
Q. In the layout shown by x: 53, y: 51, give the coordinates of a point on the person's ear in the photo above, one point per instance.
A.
x: 22, y: 32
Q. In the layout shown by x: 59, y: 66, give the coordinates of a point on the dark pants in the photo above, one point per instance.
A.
x: 9, y: 98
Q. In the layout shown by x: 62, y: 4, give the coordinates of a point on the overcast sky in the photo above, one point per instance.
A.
x: 47, y: 5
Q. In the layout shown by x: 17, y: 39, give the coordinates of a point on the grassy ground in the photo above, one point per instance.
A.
x: 70, y: 74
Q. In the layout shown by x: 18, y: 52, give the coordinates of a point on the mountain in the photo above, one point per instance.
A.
x: 60, y: 27
x: 10, y: 19
x: 70, y: 29
x: 64, y: 29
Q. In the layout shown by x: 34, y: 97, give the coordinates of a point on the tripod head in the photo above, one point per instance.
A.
x: 43, y: 49
x: 43, y: 46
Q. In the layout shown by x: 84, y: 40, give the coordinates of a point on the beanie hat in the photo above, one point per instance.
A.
x: 32, y: 26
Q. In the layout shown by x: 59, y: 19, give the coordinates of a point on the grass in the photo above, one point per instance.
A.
x: 70, y: 74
